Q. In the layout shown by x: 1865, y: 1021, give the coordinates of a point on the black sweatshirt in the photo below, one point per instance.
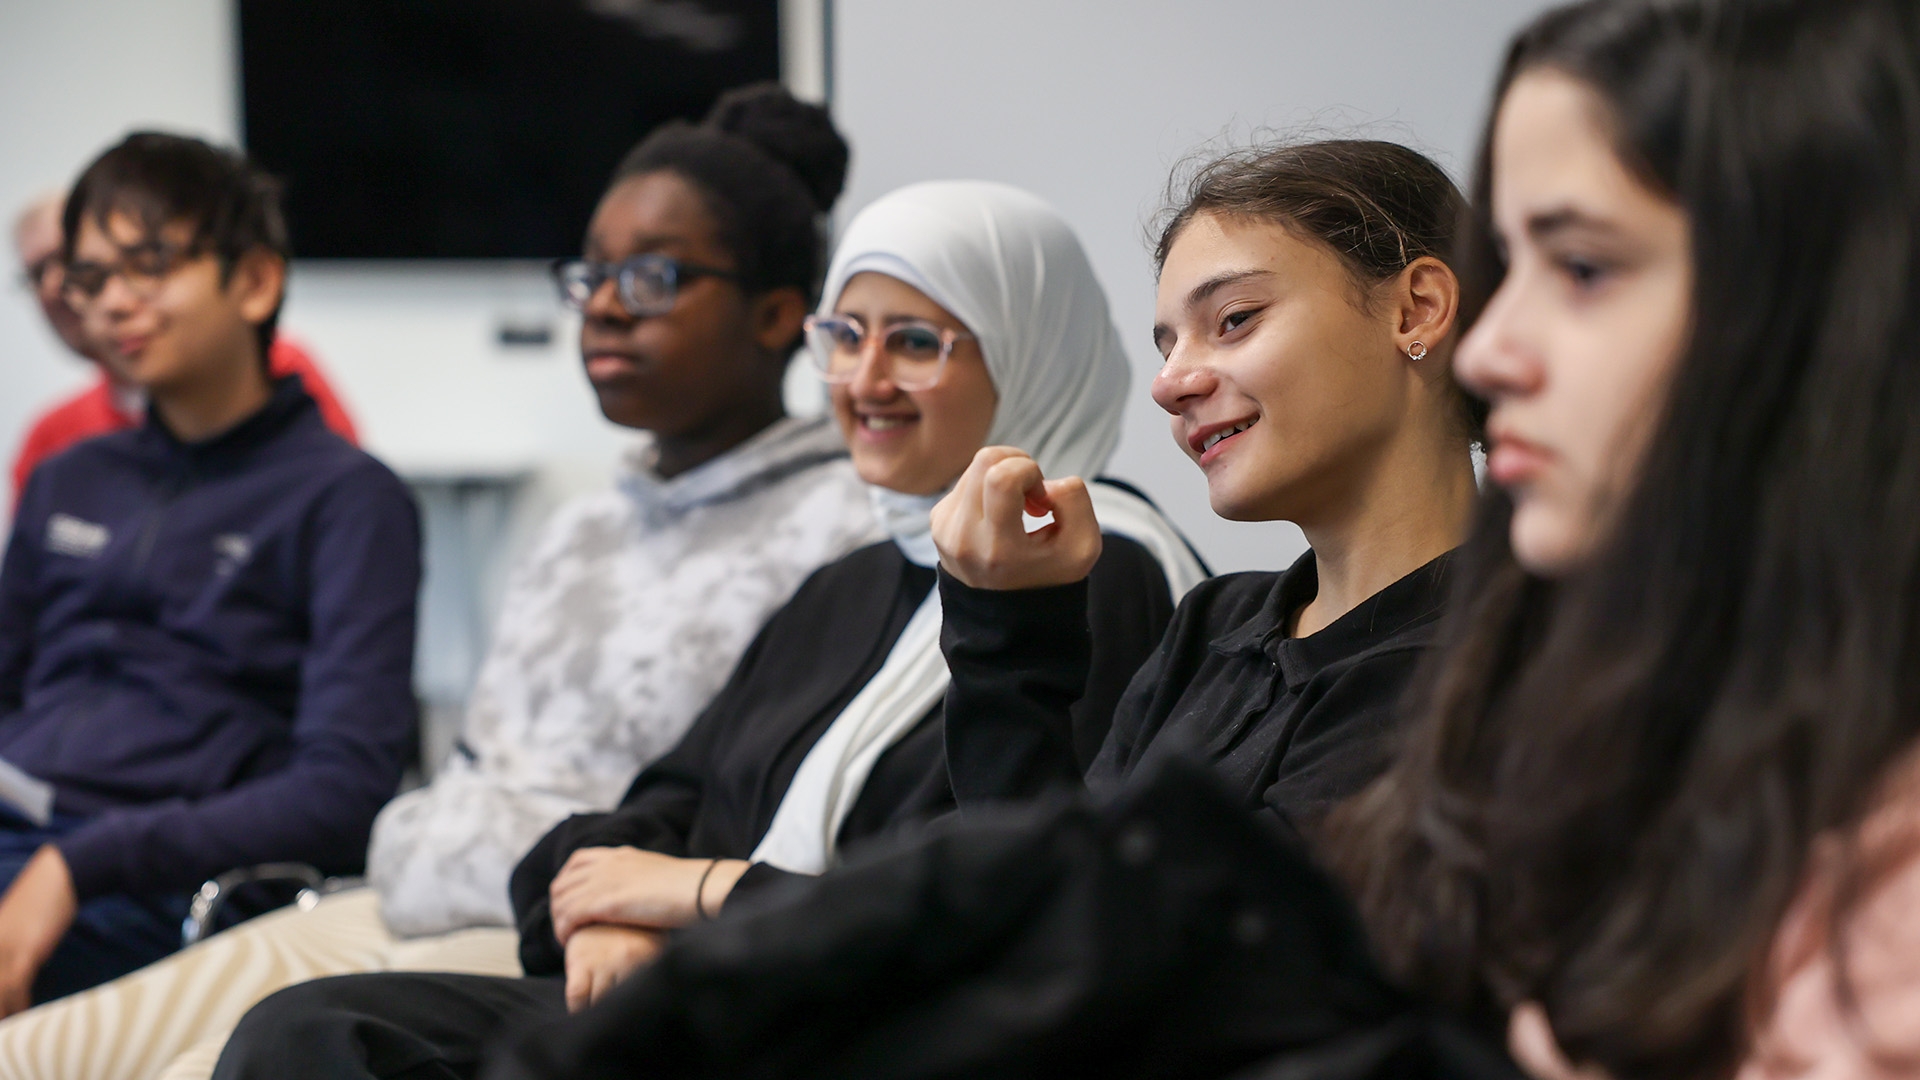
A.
x: 1290, y: 725
x: 714, y: 795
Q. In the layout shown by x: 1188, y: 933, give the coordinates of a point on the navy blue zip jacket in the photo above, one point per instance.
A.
x: 207, y: 648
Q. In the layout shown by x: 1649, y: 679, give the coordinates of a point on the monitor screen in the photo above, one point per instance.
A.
x: 460, y: 129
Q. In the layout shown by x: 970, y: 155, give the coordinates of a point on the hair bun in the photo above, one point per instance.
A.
x: 795, y: 132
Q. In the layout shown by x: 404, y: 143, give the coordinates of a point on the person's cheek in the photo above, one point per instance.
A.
x: 841, y: 402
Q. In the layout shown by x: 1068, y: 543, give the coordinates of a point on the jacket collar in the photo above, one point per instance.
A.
x: 779, y: 450
x: 287, y: 403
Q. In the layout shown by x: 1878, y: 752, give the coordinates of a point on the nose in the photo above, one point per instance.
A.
x: 116, y: 299
x: 604, y: 306
x: 873, y: 375
x: 1499, y: 357
x: 1182, y: 379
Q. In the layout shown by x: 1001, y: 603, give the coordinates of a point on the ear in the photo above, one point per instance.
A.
x: 776, y: 319
x: 1425, y: 305
x: 256, y: 284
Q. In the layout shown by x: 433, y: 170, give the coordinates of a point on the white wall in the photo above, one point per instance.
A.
x: 1086, y: 102
x: 74, y: 74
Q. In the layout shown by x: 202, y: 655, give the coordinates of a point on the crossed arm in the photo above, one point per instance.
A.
x: 623, y: 884
x: 611, y: 908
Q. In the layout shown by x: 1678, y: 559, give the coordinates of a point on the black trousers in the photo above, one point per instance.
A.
x: 391, y: 1025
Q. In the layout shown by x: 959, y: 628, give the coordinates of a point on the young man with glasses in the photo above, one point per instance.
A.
x: 112, y: 404
x: 207, y: 624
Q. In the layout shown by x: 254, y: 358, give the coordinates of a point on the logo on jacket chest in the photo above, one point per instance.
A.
x: 72, y: 536
x: 230, y: 552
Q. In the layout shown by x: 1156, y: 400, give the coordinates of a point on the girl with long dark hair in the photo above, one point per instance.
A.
x: 1687, y: 661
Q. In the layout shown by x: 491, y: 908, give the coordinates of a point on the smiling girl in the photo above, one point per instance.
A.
x: 1306, y: 321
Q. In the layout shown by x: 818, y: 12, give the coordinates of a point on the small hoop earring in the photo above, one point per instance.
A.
x: 1417, y: 351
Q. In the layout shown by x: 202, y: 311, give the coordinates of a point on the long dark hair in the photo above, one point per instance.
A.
x: 1615, y: 781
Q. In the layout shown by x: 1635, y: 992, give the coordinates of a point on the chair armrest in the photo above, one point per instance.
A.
x: 214, y: 893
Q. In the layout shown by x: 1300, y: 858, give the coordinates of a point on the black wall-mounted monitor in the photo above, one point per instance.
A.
x: 461, y: 129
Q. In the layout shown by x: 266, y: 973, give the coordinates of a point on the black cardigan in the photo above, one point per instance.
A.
x: 1164, y: 935
x: 1291, y: 725
x: 715, y: 794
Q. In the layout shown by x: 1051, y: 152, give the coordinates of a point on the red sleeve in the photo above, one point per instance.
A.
x: 33, y: 451
x: 82, y: 416
x: 288, y: 358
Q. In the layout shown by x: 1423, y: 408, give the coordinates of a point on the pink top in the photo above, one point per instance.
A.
x: 1812, y: 1032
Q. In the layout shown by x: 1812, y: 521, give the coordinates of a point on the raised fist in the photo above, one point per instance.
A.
x: 983, y: 540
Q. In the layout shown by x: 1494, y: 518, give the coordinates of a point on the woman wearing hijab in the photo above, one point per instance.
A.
x: 955, y: 314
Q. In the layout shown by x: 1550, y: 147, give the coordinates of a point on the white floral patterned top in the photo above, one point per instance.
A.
x: 627, y: 614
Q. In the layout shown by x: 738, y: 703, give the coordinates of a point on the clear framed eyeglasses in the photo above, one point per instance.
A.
x: 646, y: 285
x: 914, y: 350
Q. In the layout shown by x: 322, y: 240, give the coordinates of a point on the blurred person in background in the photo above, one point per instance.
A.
x: 113, y: 402
x: 206, y: 622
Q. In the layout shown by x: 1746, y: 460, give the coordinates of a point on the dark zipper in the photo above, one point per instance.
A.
x: 150, y: 532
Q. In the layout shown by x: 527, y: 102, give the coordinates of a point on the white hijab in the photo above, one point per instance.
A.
x: 1010, y: 269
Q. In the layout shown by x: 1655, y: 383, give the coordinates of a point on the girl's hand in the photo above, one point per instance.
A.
x: 631, y: 887
x: 601, y: 957
x: 984, y: 542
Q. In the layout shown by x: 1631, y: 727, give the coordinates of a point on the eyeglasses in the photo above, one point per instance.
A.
x: 916, y: 350
x: 645, y: 284
x: 35, y: 274
x: 144, y: 267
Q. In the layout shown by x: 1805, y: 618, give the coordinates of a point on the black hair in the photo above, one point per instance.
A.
x: 768, y: 167
x: 1377, y: 205
x: 1614, y: 782
x: 160, y: 179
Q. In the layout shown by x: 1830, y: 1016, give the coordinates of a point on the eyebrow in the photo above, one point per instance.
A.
x: 1200, y: 292
x: 152, y: 243
x: 643, y: 243
x: 1220, y: 281
x: 1551, y: 223
x: 893, y: 318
